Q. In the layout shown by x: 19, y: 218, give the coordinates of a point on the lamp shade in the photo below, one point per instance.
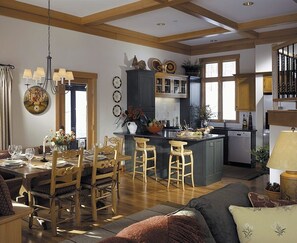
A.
x: 27, y: 73
x: 284, y: 154
x: 69, y: 76
x: 40, y: 71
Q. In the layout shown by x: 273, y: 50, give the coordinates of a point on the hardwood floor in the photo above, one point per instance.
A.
x: 135, y: 196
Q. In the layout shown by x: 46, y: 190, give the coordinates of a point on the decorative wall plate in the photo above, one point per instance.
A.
x: 117, y: 82
x: 36, y: 100
x: 155, y: 65
x: 170, y: 66
x: 117, y: 110
x: 117, y: 96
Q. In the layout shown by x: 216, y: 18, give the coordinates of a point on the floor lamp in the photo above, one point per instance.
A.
x: 284, y: 157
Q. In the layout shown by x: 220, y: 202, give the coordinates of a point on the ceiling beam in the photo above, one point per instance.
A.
x: 262, y: 23
x: 32, y: 10
x: 264, y: 38
x: 213, y: 18
x: 129, y: 10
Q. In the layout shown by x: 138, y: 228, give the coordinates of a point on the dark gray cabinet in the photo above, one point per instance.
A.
x: 207, y: 153
x: 141, y: 90
x: 223, y: 131
x: 188, y: 106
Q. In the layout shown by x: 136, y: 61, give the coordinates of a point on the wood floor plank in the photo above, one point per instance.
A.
x: 135, y: 196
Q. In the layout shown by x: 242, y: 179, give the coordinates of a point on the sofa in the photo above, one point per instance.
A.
x: 229, y: 215
x: 207, y: 216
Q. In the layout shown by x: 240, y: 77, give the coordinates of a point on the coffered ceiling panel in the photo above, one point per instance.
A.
x: 181, y: 26
x: 162, y: 22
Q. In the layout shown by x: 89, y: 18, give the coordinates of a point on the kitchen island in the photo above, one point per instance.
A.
x: 207, y: 152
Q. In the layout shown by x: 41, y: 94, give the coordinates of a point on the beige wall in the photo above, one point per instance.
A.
x: 24, y: 44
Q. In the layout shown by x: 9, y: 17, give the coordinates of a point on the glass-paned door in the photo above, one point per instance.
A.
x: 76, y: 111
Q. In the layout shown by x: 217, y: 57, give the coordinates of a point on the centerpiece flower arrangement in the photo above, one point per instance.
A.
x: 60, y: 138
x: 133, y: 114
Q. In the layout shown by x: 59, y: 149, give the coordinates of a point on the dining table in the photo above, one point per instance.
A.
x: 20, y: 167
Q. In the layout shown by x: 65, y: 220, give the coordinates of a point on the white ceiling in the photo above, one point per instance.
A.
x: 177, y: 22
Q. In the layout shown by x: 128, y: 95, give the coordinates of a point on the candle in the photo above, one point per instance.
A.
x: 44, y: 141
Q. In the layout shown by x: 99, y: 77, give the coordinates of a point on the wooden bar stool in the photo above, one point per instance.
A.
x: 142, y: 154
x: 178, y: 163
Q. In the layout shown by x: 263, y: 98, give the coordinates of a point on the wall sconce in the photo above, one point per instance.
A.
x: 284, y: 157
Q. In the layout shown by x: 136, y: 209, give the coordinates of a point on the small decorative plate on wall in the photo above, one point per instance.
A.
x: 117, y: 82
x: 117, y: 110
x: 117, y: 96
x: 36, y: 100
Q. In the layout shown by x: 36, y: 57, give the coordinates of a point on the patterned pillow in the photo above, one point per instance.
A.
x: 258, y: 200
x: 161, y: 228
x: 5, y: 199
x: 273, y: 225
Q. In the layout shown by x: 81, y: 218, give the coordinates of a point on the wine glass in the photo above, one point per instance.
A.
x: 29, y: 152
x: 18, y: 150
x: 11, y: 150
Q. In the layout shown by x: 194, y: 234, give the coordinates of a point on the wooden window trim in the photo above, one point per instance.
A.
x: 220, y: 79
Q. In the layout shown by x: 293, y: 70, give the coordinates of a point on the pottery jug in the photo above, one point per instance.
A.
x: 132, y: 127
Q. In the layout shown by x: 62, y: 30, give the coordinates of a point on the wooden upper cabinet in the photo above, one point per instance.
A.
x: 267, y: 84
x: 245, y: 92
x: 171, y: 85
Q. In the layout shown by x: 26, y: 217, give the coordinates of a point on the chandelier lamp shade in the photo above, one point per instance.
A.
x: 45, y: 79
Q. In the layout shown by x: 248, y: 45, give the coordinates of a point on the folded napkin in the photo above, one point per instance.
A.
x: 42, y: 167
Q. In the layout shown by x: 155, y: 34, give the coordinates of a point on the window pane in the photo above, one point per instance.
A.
x: 67, y: 112
x: 211, y: 97
x: 229, y: 112
x: 211, y: 70
x: 81, y: 114
x: 229, y: 68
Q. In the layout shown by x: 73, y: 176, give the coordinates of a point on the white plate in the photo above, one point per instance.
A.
x: 99, y: 157
x: 13, y: 162
x: 60, y: 163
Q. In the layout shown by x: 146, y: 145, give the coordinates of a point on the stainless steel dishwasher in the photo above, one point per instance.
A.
x: 239, y: 147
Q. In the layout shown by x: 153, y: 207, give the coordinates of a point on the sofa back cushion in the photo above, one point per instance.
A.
x: 214, y: 208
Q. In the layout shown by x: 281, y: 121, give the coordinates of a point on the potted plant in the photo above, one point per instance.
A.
x: 192, y: 69
x: 261, y: 154
x: 205, y: 114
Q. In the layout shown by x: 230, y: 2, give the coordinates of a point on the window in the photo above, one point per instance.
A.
x: 76, y: 110
x: 219, y: 86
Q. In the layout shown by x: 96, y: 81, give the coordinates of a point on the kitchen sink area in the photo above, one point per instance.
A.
x: 238, y: 144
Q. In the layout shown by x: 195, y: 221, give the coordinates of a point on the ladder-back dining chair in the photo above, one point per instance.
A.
x: 116, y: 142
x: 60, y: 192
x: 101, y: 186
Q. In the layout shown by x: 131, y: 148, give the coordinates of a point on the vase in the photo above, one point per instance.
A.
x: 204, y: 123
x: 132, y: 127
x: 60, y: 148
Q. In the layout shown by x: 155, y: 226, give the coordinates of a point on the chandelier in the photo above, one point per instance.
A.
x: 42, y: 78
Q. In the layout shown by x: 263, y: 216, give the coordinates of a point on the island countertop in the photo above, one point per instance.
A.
x: 207, y: 152
x: 169, y: 135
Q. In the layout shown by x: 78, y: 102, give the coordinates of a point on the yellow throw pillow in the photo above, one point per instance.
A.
x: 265, y: 224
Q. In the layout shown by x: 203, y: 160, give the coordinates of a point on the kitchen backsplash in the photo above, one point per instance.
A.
x: 168, y: 109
